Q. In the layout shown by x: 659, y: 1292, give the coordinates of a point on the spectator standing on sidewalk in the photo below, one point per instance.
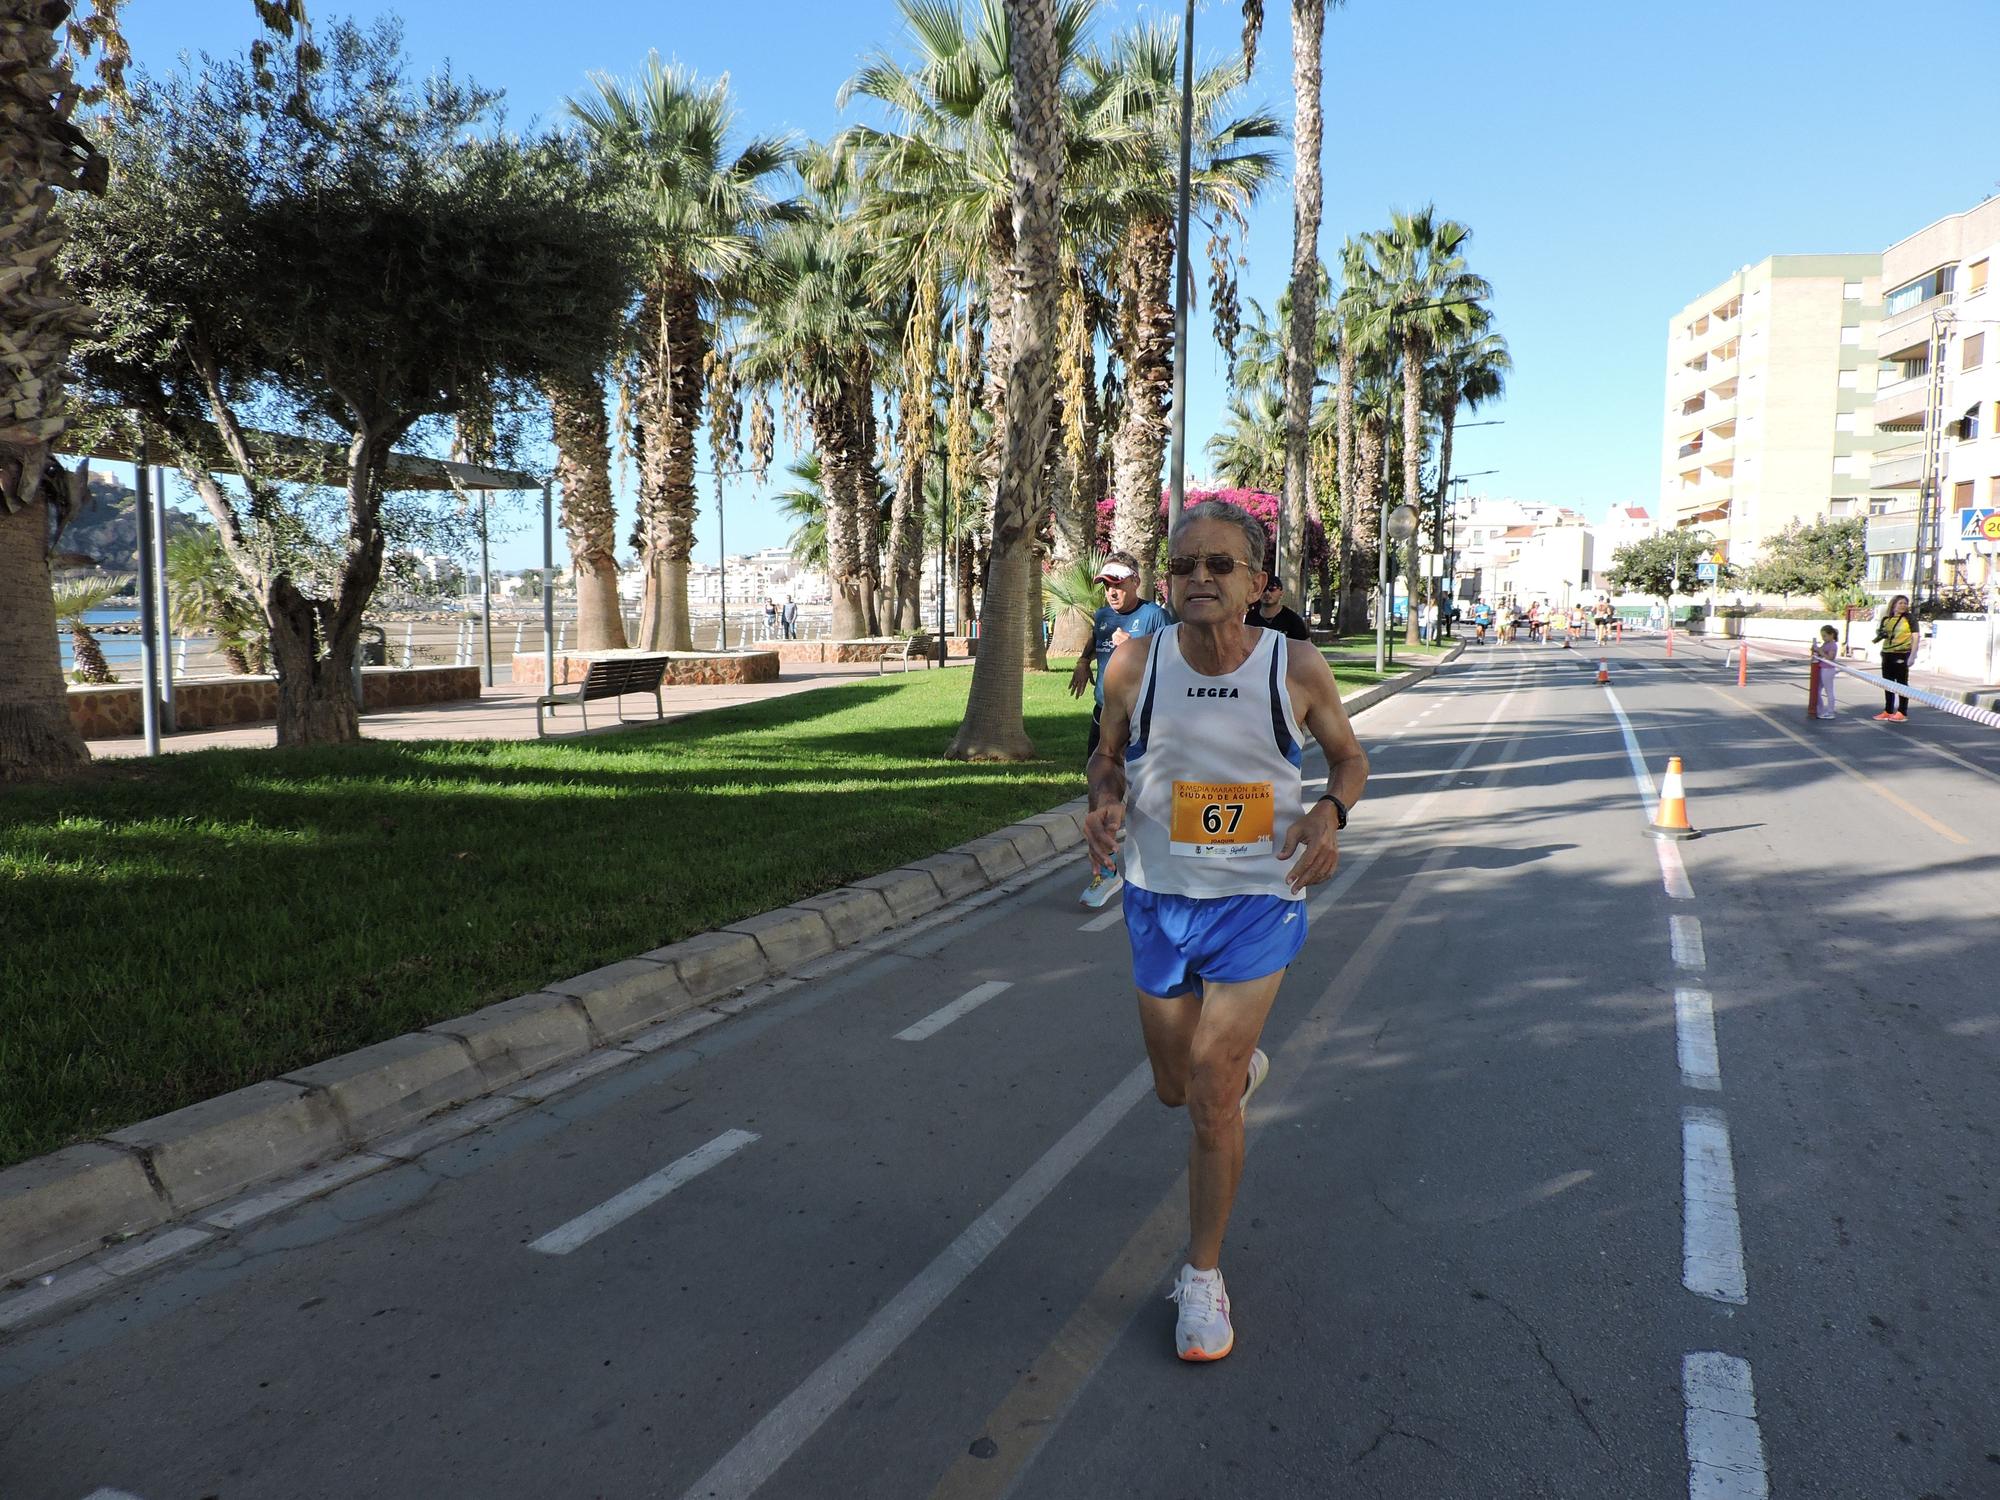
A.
x: 1897, y: 631
x: 1270, y: 612
x: 1827, y: 649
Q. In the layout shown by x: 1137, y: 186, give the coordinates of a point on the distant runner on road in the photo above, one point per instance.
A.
x: 1199, y: 763
x: 1120, y: 618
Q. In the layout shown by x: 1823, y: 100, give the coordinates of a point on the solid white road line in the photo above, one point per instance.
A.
x: 1648, y: 796
x: 1103, y: 920
x: 1694, y: 1030
x: 1685, y: 935
x: 641, y: 1195
x: 1725, y: 1447
x: 1673, y: 870
x: 785, y: 1428
x: 1711, y: 1231
x: 964, y: 1005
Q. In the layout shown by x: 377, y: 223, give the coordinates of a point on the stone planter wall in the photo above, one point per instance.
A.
x: 684, y: 668
x: 103, y: 713
x: 818, y: 653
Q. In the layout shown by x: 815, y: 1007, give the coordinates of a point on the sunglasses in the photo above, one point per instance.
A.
x: 1220, y: 564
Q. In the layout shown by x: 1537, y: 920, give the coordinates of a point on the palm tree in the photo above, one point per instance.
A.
x: 1471, y: 370
x: 589, y: 516
x: 813, y: 327
x: 1078, y: 596
x: 74, y: 599
x: 993, y: 728
x: 1420, y: 265
x: 1301, y: 357
x: 1249, y: 450
x: 938, y: 180
x: 206, y: 595
x: 804, y: 505
x: 665, y: 140
x: 42, y: 154
x: 1136, y: 103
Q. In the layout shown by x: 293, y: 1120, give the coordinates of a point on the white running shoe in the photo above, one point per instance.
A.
x: 1104, y: 884
x: 1260, y: 1068
x: 1203, y: 1333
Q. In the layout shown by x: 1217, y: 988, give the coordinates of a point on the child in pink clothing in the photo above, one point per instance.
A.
x: 1826, y: 649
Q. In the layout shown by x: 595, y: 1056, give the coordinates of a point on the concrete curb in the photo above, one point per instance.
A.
x: 58, y: 1208
x: 71, y: 1203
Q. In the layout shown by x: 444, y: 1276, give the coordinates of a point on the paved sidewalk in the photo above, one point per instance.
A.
x: 1966, y: 689
x: 504, y: 712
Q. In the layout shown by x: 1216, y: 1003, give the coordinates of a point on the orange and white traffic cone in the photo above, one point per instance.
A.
x: 1671, y: 820
x: 1604, y: 671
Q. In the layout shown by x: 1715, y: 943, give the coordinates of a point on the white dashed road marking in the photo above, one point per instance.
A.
x: 1694, y: 1028
x: 1711, y: 1232
x: 1685, y: 935
x: 642, y: 1195
x: 1725, y: 1447
x: 1103, y: 920
x: 964, y: 1005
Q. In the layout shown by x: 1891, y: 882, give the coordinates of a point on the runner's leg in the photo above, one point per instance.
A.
x: 1169, y: 1026
x: 1231, y: 1018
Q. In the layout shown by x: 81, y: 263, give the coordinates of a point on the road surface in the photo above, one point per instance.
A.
x: 1587, y: 1167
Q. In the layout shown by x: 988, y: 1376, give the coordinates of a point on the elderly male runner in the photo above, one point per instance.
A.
x: 1199, y: 766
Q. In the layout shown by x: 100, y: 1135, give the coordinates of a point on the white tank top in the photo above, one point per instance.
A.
x: 1212, y: 775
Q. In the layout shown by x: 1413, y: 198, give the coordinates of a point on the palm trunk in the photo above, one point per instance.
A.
x: 906, y: 536
x: 90, y: 665
x: 962, y: 565
x: 1363, y: 526
x: 868, y: 497
x: 1301, y: 368
x: 1141, y: 445
x: 687, y: 348
x: 1448, y: 418
x: 40, y: 152
x: 1343, y: 437
x: 1413, y: 455
x: 993, y: 727
x: 834, y: 434
x: 589, y: 517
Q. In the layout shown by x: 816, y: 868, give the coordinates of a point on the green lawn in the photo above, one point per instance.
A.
x: 1363, y: 643
x: 183, y: 927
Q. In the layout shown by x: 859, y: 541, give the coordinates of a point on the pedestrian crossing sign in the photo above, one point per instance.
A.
x: 1979, y: 525
x: 1704, y: 572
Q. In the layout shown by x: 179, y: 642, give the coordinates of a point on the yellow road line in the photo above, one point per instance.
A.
x: 1845, y: 769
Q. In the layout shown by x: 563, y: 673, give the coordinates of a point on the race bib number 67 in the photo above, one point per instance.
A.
x: 1222, y: 820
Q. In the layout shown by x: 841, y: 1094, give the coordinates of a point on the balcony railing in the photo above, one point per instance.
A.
x: 1897, y: 469
x: 1909, y: 331
x: 1902, y: 403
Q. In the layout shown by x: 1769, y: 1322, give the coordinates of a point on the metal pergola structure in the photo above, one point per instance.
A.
x: 309, y: 461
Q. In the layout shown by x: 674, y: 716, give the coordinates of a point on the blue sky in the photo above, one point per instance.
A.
x: 1612, y: 159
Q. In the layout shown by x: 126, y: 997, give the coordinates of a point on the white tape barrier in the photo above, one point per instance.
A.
x: 1984, y: 716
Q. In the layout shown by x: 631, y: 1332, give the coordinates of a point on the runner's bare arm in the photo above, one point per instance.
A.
x: 1316, y: 700
x: 1122, y: 675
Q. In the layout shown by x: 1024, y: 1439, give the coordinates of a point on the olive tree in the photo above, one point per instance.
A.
x: 343, y: 253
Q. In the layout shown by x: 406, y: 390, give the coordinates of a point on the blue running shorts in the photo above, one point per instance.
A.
x: 1178, y: 941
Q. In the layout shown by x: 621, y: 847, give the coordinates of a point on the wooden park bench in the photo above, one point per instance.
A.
x: 613, y: 678
x: 904, y: 653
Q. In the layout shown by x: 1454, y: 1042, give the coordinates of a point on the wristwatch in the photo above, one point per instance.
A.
x: 1339, y: 809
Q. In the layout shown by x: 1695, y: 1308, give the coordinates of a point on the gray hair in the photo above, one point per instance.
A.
x: 1254, y: 536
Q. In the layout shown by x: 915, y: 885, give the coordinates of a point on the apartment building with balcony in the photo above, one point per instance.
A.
x: 1770, y: 384
x: 1938, y: 400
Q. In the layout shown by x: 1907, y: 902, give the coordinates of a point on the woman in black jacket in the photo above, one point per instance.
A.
x: 1897, y: 631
